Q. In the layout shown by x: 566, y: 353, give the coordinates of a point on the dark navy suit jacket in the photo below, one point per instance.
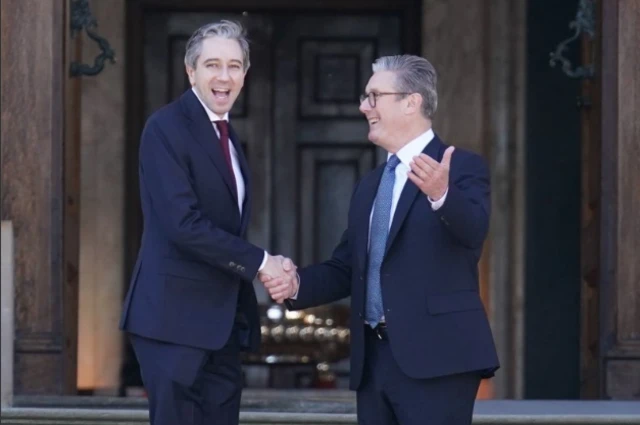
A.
x: 194, y: 268
x: 435, y: 318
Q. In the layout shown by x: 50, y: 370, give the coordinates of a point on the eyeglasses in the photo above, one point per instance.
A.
x: 373, y: 97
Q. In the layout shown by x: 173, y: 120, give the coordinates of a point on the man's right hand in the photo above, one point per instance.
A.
x: 279, y: 277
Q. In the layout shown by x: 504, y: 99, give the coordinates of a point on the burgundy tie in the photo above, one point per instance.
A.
x: 223, y: 128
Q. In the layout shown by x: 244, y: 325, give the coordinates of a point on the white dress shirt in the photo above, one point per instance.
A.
x: 405, y: 155
x: 235, y: 163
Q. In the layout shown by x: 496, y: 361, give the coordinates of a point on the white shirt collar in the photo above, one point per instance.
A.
x: 414, y: 147
x: 212, y: 115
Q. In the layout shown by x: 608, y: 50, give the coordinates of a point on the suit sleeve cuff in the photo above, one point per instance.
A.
x: 264, y: 261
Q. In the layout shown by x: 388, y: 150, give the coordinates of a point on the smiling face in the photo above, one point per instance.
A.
x: 387, y: 118
x: 219, y: 73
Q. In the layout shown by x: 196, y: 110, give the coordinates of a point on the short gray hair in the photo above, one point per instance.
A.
x: 414, y: 74
x: 223, y: 29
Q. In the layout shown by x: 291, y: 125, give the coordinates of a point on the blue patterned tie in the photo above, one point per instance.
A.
x: 378, y: 241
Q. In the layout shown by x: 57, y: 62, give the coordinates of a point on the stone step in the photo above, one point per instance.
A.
x: 52, y: 416
x: 491, y: 412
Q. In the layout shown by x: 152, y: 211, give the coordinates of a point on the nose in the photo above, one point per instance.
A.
x: 224, y: 74
x: 364, y: 106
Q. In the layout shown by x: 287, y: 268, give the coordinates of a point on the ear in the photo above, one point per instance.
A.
x: 191, y: 74
x: 414, y: 103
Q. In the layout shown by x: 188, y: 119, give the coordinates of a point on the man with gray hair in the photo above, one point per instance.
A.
x: 420, y: 338
x: 191, y: 307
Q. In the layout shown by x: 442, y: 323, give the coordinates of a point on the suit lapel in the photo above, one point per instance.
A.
x: 366, y: 196
x: 202, y: 131
x: 244, y: 167
x: 409, y: 193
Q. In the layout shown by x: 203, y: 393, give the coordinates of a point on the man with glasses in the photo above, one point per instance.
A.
x: 420, y: 338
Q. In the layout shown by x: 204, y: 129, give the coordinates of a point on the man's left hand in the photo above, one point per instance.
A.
x: 431, y: 176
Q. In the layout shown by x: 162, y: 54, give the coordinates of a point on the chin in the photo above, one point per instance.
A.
x: 218, y: 110
x: 221, y: 111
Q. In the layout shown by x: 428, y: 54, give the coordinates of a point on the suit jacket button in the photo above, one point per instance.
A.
x: 232, y: 264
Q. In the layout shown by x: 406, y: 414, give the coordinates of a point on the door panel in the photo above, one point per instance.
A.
x: 328, y: 173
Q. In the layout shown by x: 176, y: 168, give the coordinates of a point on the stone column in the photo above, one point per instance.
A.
x: 6, y: 301
x: 102, y: 279
x: 33, y: 78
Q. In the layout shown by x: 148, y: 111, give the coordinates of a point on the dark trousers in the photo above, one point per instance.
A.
x: 389, y: 397
x: 214, y: 397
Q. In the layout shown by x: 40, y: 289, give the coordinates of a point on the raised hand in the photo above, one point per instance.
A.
x: 280, y: 278
x: 431, y: 176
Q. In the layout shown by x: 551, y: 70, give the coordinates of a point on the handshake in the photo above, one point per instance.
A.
x: 280, y: 278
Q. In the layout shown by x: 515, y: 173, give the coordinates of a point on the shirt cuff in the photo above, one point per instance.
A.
x: 264, y: 261
x: 295, y: 296
x: 435, y: 205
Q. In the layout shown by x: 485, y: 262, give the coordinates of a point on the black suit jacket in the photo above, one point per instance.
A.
x: 436, y: 321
